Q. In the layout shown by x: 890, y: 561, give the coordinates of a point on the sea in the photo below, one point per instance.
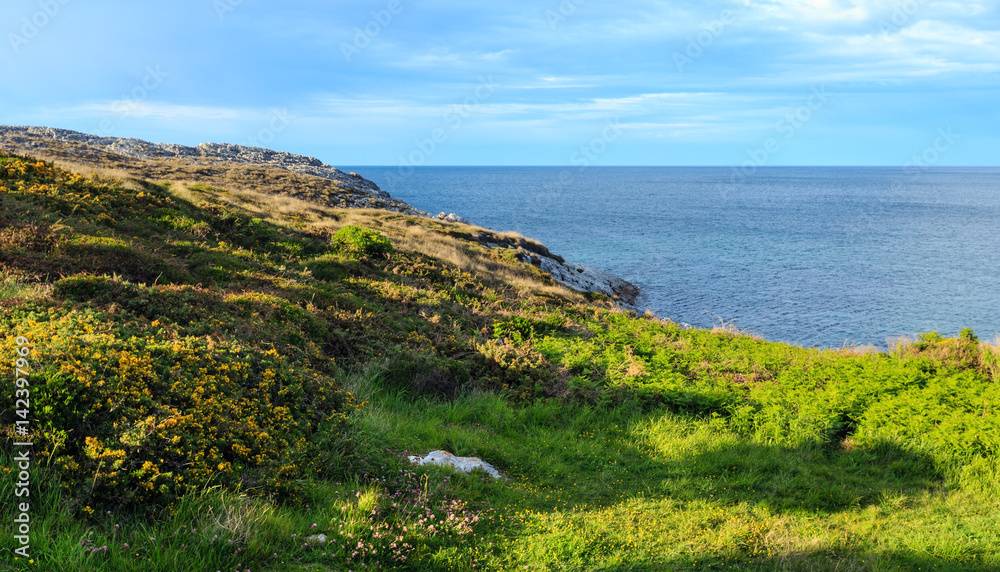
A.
x: 818, y: 257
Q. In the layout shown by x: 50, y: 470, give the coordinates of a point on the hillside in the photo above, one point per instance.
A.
x: 221, y: 371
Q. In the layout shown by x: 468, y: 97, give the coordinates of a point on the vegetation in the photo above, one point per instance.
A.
x: 215, y: 383
x: 362, y: 241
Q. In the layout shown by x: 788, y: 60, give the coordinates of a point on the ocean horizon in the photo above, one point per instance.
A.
x: 814, y: 256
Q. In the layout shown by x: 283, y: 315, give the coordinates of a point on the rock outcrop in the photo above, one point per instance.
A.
x: 575, y: 276
x: 205, y: 153
x: 312, y: 180
x: 587, y: 279
x: 464, y: 464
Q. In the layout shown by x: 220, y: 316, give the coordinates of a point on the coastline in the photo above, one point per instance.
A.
x: 123, y: 154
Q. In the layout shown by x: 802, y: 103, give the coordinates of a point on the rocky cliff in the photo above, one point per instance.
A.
x: 262, y: 170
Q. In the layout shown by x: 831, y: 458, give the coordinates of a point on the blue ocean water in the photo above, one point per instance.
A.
x: 813, y: 256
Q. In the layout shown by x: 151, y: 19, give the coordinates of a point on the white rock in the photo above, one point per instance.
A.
x: 140, y: 149
x: 587, y: 279
x: 464, y: 464
x: 317, y: 539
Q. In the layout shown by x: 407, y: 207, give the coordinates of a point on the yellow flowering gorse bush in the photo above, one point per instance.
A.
x: 131, y: 419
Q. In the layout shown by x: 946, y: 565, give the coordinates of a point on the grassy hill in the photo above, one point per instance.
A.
x: 218, y: 376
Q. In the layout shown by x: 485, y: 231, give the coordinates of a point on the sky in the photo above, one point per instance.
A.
x: 540, y: 82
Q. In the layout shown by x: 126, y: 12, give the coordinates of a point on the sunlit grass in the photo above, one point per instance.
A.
x: 209, y: 365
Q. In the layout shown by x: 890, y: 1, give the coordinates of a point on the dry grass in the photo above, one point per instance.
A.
x: 409, y: 233
x: 310, y: 204
x: 239, y: 517
x: 730, y: 327
x: 16, y: 286
x: 267, y: 181
x: 899, y: 344
x: 991, y: 358
x: 858, y: 350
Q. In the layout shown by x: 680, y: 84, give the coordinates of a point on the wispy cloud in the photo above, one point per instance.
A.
x: 898, y: 67
x: 164, y: 111
x: 814, y: 10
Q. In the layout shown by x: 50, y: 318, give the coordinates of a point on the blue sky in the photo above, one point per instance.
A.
x: 543, y: 82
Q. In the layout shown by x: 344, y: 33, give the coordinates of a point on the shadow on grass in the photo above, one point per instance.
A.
x: 807, y: 478
x: 601, y: 469
x: 819, y: 561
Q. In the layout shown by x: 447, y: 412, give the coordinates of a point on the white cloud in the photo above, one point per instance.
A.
x: 814, y: 10
x: 166, y: 111
x: 942, y: 33
x: 925, y: 48
x: 963, y: 8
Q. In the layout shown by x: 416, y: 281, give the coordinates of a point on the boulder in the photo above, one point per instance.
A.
x: 464, y: 464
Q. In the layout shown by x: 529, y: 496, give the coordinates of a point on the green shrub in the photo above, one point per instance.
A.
x: 126, y: 419
x: 102, y: 255
x: 333, y: 267
x: 928, y: 339
x: 517, y: 329
x: 362, y: 241
x: 427, y: 374
x: 212, y: 266
x: 951, y: 418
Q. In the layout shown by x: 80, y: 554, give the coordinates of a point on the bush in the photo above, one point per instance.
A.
x: 969, y: 335
x: 102, y: 256
x: 143, y: 420
x: 517, y: 329
x: 362, y: 241
x: 333, y: 267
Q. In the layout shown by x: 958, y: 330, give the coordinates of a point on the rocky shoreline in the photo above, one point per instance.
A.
x: 362, y: 193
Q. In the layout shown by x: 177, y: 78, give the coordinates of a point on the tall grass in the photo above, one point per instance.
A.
x: 13, y: 286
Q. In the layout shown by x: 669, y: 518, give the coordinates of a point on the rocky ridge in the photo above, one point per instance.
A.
x: 205, y: 153
x: 361, y: 193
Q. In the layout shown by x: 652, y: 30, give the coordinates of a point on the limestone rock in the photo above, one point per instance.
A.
x: 464, y: 464
x: 587, y: 279
x: 451, y: 217
x: 139, y: 149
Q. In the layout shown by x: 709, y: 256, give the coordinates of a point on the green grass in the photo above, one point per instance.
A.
x: 586, y: 489
x: 204, y: 373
